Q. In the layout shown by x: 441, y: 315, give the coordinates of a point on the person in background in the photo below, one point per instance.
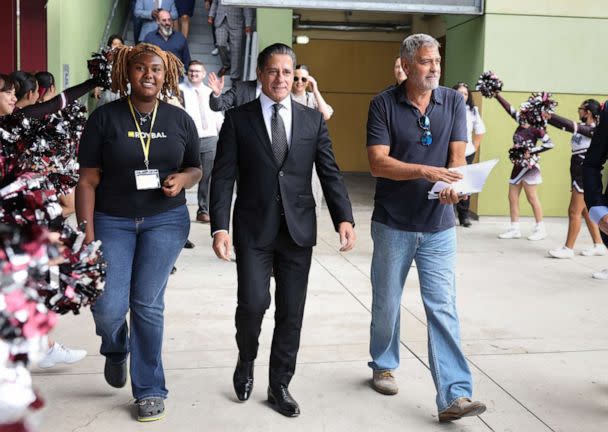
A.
x: 46, y: 86
x: 593, y: 166
x: 302, y: 80
x: 147, y: 11
x: 475, y: 131
x: 168, y: 39
x: 214, y: 51
x: 240, y: 93
x: 398, y: 72
x: 185, y: 10
x: 107, y: 95
x: 26, y: 89
x: 525, y: 174
x: 230, y: 23
x: 137, y: 156
x: 56, y: 353
x: 582, y: 133
x: 208, y: 124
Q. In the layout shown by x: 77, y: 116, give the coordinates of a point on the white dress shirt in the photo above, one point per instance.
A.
x: 196, y: 100
x: 284, y: 112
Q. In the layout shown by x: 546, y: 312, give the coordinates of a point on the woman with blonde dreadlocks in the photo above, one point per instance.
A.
x: 137, y: 156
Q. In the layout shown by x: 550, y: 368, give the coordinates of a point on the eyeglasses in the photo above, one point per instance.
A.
x: 296, y: 79
x: 425, y: 124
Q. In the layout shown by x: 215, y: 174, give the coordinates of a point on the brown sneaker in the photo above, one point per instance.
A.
x: 384, y: 382
x: 202, y: 217
x: 461, y: 407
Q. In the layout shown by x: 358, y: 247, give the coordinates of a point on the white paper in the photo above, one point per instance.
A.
x: 473, y: 180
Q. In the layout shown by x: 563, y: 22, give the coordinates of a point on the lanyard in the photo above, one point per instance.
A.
x: 144, y: 145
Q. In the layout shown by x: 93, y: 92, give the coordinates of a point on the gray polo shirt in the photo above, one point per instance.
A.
x: 393, y: 121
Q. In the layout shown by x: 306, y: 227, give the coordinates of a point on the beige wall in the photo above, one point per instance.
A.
x: 350, y: 74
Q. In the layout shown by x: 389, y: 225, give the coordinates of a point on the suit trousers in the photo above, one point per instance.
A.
x: 291, y: 264
x: 231, y: 35
x: 207, y: 156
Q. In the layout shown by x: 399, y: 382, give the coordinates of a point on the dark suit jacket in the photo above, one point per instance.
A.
x: 240, y: 93
x: 595, y: 158
x: 244, y: 152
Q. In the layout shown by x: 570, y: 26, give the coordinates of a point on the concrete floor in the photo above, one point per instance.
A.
x: 534, y: 331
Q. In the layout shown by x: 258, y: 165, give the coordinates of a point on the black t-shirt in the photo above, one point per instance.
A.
x: 111, y: 142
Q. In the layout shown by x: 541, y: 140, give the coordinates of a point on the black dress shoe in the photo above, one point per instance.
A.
x: 188, y: 245
x: 243, y: 379
x: 115, y: 373
x: 282, y: 400
x: 223, y: 71
x: 173, y: 270
x: 466, y: 222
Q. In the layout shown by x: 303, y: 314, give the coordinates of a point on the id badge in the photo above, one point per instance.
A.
x: 147, y: 179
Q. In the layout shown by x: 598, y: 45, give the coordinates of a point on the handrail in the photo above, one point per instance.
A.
x: 106, y: 32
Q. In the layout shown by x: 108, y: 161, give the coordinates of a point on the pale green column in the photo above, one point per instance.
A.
x: 74, y: 31
x: 274, y: 25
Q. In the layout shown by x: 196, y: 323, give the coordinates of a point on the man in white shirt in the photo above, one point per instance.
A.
x: 208, y: 124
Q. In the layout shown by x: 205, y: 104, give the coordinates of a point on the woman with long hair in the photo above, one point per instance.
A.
x: 137, y: 156
x: 475, y: 131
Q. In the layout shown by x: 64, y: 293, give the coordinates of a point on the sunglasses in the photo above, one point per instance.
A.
x: 296, y: 79
x: 424, y: 123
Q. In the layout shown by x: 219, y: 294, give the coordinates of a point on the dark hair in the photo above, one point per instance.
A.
x: 277, y: 48
x: 26, y: 82
x: 195, y: 62
x: 469, y: 100
x: 115, y: 36
x: 303, y: 67
x: 593, y: 106
x: 45, y: 79
x: 8, y: 83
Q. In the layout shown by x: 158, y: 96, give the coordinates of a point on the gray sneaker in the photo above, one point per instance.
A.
x: 150, y: 409
x: 461, y: 407
x: 384, y: 382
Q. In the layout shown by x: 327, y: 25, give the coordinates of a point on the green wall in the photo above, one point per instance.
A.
x: 75, y: 30
x: 558, y: 54
x: 274, y: 25
x: 549, y: 45
x: 464, y: 50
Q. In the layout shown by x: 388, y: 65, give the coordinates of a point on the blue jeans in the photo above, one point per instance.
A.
x: 435, y: 255
x: 140, y: 253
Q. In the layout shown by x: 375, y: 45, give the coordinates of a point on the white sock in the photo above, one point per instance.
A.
x: 515, y: 225
x: 540, y: 225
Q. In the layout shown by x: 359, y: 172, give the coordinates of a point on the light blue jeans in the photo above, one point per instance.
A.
x: 140, y: 253
x: 435, y: 255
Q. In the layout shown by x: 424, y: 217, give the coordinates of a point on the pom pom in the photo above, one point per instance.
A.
x: 520, y: 155
x: 100, y: 67
x: 78, y: 281
x: 531, y: 111
x: 489, y: 84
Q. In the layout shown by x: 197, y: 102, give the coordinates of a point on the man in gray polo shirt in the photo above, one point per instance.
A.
x: 415, y: 133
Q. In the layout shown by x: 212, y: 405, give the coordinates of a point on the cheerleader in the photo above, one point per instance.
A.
x: 526, y: 171
x: 582, y: 133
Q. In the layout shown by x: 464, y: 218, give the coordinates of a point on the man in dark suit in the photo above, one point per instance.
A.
x: 240, y: 93
x: 270, y: 145
x: 595, y: 197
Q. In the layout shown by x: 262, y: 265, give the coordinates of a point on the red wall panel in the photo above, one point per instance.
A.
x: 33, y: 35
x: 8, y: 36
